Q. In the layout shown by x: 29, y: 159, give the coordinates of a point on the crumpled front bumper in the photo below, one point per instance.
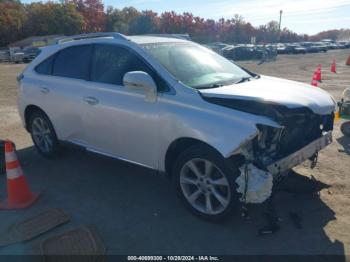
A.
x: 301, y: 155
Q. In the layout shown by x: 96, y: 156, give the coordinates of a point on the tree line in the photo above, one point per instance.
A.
x: 68, y: 17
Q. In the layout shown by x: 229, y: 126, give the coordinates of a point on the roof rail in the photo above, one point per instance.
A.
x: 177, y: 36
x: 89, y: 36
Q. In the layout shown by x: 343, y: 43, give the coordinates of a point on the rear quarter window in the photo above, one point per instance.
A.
x: 73, y: 62
x: 45, y: 67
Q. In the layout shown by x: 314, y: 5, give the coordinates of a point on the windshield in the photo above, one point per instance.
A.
x: 196, y: 66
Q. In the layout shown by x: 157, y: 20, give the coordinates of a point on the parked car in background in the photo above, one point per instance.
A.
x: 321, y: 46
x: 217, y: 47
x: 342, y: 45
x: 17, y: 57
x: 5, y: 56
x: 281, y: 48
x: 176, y: 107
x: 327, y: 41
x: 30, y: 53
x: 309, y: 47
x: 347, y: 44
x: 241, y: 52
x: 236, y: 52
x: 294, y: 49
x: 332, y: 46
x: 312, y: 47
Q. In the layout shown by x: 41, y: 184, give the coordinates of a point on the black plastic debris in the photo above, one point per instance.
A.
x: 271, y: 213
x: 245, y: 212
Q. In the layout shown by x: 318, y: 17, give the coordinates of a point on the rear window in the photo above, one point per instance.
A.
x: 73, y: 62
x: 45, y: 67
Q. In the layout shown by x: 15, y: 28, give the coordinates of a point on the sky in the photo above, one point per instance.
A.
x: 301, y: 16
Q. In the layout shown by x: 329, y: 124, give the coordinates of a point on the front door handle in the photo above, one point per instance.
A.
x: 44, y: 90
x: 90, y: 100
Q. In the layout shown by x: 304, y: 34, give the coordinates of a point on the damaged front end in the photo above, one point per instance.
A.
x: 302, y: 134
x: 275, y: 150
x: 299, y: 127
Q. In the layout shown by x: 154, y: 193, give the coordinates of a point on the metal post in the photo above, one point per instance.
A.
x: 279, y: 26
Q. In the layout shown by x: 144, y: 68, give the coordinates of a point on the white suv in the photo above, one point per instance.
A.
x: 219, y: 131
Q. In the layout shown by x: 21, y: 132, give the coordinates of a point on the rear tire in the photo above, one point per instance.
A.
x: 43, y: 134
x: 205, y: 182
x: 345, y: 128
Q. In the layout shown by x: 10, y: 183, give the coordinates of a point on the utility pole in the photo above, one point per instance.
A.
x: 279, y: 26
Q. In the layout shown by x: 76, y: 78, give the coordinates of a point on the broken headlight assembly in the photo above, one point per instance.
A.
x: 264, y: 148
x: 267, y: 144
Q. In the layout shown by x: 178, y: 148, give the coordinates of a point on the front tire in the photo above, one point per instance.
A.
x: 205, y: 182
x: 43, y: 134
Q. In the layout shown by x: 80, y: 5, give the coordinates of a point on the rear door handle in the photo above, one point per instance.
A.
x: 44, y: 90
x: 90, y: 100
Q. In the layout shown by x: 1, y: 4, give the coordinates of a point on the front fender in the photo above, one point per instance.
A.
x: 222, y: 128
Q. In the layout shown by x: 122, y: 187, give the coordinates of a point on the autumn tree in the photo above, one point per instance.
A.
x: 340, y: 35
x: 121, y: 20
x: 52, y: 18
x: 146, y: 23
x: 170, y: 23
x: 93, y: 13
x: 12, y: 19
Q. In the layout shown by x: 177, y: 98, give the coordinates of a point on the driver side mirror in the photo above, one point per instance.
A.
x: 142, y: 81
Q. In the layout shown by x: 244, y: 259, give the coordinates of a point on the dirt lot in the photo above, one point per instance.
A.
x: 137, y: 212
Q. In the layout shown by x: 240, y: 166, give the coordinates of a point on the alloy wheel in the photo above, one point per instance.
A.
x: 205, y: 186
x: 42, y: 134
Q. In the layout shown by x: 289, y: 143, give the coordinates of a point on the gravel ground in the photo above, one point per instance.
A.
x: 137, y: 212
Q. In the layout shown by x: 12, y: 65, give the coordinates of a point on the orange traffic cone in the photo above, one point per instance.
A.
x: 337, y: 115
x: 314, y: 81
x: 18, y: 192
x: 334, y: 67
x: 318, y: 74
x: 348, y: 61
x: 320, y: 69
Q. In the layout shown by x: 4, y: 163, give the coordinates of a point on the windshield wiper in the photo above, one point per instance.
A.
x: 243, y: 79
x: 209, y: 86
x: 227, y: 82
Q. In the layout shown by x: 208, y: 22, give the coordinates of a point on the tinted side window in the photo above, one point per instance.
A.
x: 45, y: 67
x: 110, y: 63
x: 73, y: 62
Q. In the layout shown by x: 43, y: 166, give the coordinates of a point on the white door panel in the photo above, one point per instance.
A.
x: 123, y: 124
x: 58, y: 85
x: 59, y: 98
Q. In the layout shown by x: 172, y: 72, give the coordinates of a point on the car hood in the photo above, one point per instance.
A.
x: 277, y: 91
